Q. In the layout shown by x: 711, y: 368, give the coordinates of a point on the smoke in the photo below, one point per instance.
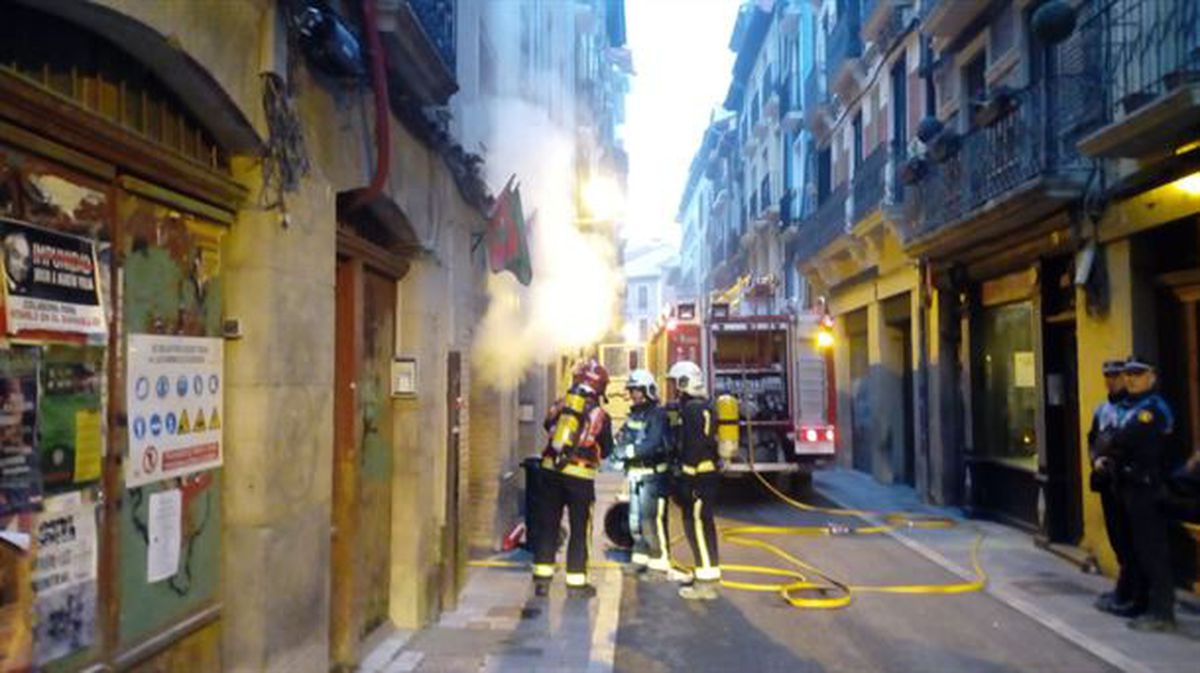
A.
x: 576, y: 280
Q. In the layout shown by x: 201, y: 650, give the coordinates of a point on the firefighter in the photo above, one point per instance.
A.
x: 1122, y: 600
x: 642, y: 445
x: 699, y: 477
x: 1140, y: 456
x: 580, y: 438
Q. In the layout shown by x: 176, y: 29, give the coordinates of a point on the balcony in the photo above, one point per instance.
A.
x: 869, y: 184
x: 843, y: 52
x: 947, y: 19
x: 1151, y: 53
x: 824, y: 226
x: 1003, y: 178
x: 418, y: 36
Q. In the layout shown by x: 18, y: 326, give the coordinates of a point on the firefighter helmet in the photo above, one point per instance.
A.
x: 640, y: 378
x: 591, y: 375
x: 688, y: 377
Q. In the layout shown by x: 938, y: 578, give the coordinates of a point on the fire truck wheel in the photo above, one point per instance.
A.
x: 616, y: 525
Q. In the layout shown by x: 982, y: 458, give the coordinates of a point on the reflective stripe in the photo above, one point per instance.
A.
x: 702, y: 543
x: 639, y: 558
x: 543, y: 570
x: 635, y: 425
x: 707, y: 423
x: 659, y: 564
x: 639, y: 471
x: 576, y: 579
x: 581, y: 471
x: 702, y: 468
x: 661, y: 468
x: 663, y: 562
x: 708, y: 574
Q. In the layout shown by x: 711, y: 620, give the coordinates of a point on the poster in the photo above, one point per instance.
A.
x: 50, y: 281
x: 174, y: 392
x: 71, y: 437
x: 1024, y: 371
x: 20, y: 470
x: 165, y: 536
x: 16, y: 599
x: 64, y: 578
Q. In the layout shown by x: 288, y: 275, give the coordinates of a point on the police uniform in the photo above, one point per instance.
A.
x: 1124, y: 598
x: 643, y: 443
x: 1140, y: 447
x: 698, y: 484
x: 568, y: 480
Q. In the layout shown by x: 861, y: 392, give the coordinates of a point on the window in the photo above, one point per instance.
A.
x: 643, y: 297
x: 1007, y: 392
x: 824, y: 174
x: 974, y: 84
x: 858, y: 139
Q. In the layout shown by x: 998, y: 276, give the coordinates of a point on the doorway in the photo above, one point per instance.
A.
x: 364, y: 346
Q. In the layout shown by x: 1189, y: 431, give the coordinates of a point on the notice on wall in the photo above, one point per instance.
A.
x: 51, y: 282
x: 20, y: 471
x: 174, y: 392
x: 165, y: 535
x: 1024, y: 371
x: 64, y: 578
x: 69, y: 416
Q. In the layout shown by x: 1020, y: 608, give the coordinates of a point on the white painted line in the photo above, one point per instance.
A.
x: 604, y: 633
x: 1009, y: 598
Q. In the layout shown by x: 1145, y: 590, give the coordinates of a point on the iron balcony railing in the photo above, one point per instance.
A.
x: 437, y: 19
x: 1029, y: 142
x: 869, y: 183
x: 825, y: 225
x: 1144, y: 48
x: 843, y: 42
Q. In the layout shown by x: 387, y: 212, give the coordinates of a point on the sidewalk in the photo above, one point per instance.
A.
x: 1035, y: 582
x: 500, y: 627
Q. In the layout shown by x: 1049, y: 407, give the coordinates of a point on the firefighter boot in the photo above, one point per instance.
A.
x: 584, y: 592
x: 699, y: 591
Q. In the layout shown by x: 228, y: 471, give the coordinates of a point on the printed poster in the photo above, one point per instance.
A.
x: 64, y: 578
x: 71, y: 436
x: 174, y: 388
x: 165, y: 536
x: 51, y: 282
x: 1024, y: 370
x: 20, y: 470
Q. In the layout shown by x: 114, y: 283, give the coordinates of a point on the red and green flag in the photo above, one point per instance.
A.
x: 508, y: 249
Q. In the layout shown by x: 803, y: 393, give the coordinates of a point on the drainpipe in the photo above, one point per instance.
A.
x: 383, y: 132
x: 923, y: 380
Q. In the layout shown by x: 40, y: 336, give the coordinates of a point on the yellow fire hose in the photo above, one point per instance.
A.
x: 804, y: 585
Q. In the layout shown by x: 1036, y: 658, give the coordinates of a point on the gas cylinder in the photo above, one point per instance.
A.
x: 566, y: 429
x: 727, y: 426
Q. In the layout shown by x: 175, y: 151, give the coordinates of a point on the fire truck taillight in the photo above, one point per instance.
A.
x: 829, y: 435
x: 810, y: 435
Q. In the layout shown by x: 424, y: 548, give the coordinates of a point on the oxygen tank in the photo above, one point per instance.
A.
x: 566, y: 429
x: 727, y: 426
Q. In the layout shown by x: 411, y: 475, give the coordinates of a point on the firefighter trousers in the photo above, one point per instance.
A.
x: 648, y: 520
x: 577, y: 495
x: 697, y: 494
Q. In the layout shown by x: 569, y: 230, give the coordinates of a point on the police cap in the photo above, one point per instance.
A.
x: 1113, y: 367
x: 1137, y: 365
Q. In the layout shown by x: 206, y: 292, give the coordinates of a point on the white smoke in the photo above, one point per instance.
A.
x: 576, y: 280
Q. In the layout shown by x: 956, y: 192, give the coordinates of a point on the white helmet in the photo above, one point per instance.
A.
x: 640, y: 378
x: 688, y: 377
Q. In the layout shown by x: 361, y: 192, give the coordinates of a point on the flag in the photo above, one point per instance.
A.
x: 508, y: 249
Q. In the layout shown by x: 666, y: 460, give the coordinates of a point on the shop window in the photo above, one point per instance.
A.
x: 1007, y: 389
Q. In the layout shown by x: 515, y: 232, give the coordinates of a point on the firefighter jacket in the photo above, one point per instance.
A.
x: 642, y: 441
x: 1140, y: 441
x: 590, y: 444
x: 697, y: 440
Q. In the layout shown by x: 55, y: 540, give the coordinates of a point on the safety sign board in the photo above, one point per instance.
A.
x: 174, y: 390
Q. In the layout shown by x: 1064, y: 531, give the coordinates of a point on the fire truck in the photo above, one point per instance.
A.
x: 776, y: 365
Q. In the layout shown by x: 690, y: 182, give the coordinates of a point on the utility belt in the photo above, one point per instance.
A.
x: 570, y: 467
x: 703, y: 467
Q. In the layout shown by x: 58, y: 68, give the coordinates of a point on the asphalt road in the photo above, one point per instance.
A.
x: 745, y: 631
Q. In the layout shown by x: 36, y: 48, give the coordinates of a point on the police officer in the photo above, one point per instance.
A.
x: 1141, y: 460
x: 580, y: 438
x: 642, y: 445
x: 1123, y: 599
x: 699, y: 478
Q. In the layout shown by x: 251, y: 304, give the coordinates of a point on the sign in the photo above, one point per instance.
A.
x: 51, y: 282
x: 165, y: 535
x: 172, y: 383
x: 1024, y: 370
x: 71, y: 438
x: 20, y: 470
x: 64, y: 578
